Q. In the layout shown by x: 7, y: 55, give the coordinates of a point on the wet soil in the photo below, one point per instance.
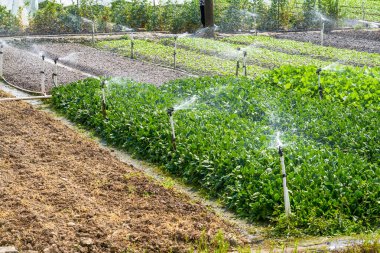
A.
x: 61, y: 192
x: 23, y: 69
x: 102, y: 63
x: 365, y: 40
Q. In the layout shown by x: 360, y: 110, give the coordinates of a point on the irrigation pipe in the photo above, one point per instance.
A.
x: 25, y: 98
x: 2, y: 78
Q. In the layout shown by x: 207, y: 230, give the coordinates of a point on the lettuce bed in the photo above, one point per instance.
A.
x: 225, y: 146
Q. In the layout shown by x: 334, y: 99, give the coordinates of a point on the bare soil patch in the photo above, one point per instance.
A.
x: 103, y: 63
x: 366, y: 40
x: 60, y: 192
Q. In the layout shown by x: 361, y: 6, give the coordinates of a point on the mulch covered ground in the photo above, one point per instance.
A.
x: 61, y: 192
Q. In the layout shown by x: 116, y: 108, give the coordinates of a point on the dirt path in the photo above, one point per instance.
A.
x: 60, y: 192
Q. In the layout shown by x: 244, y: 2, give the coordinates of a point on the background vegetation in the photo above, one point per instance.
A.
x: 230, y: 15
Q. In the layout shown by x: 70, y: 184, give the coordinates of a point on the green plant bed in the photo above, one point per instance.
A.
x: 226, y: 146
x: 345, y: 56
x: 194, y: 62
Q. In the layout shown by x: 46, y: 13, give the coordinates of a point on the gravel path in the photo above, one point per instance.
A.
x: 366, y: 41
x: 102, y: 63
x: 22, y: 68
x: 61, y: 193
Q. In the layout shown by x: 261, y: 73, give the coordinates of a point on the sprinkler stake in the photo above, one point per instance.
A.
x: 132, y: 46
x: 286, y: 191
x: 43, y: 76
x: 245, y: 62
x: 322, y: 33
x: 170, y: 112
x: 1, y: 58
x: 104, y: 105
x: 175, y: 52
x: 55, y: 73
x: 320, y: 88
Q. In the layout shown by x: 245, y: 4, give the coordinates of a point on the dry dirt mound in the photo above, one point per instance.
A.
x: 60, y: 192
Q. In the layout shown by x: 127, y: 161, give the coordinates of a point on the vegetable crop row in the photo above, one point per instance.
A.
x: 225, y: 145
x: 346, y: 56
x: 188, y: 60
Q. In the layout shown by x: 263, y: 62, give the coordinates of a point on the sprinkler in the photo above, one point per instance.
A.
x: 320, y: 89
x: 322, y: 32
x: 104, y: 105
x: 43, y: 75
x: 93, y: 32
x: 237, y: 64
x: 175, y: 52
x: 55, y: 73
x: 1, y: 58
x: 286, y: 192
x: 132, y: 46
x: 170, y: 112
x: 245, y: 62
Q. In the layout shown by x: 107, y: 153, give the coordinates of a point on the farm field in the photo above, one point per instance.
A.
x: 205, y: 124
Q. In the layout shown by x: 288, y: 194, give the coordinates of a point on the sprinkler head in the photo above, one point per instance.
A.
x: 103, y: 84
x: 238, y: 49
x: 244, y: 53
x: 56, y: 60
x: 319, y: 70
x: 280, y: 151
x: 43, y: 57
x: 170, y: 111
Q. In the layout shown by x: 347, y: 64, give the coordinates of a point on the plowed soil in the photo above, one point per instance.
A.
x: 366, y: 41
x: 61, y: 192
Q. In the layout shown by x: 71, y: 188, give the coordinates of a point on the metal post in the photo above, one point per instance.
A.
x: 43, y: 77
x: 284, y: 186
x: 320, y: 89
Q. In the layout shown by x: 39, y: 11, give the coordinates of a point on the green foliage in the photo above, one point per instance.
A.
x: 225, y: 145
x: 8, y: 22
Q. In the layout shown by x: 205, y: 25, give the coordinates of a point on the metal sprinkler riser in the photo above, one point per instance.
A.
x: 1, y: 58
x: 55, y: 73
x: 170, y: 112
x: 320, y: 88
x: 284, y: 184
x: 43, y: 75
x: 104, y: 105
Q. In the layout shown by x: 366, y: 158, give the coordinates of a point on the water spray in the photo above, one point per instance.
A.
x: 245, y: 62
x: 43, y: 75
x: 55, y: 73
x: 170, y: 112
x: 1, y: 58
x: 284, y: 186
x: 320, y: 89
x: 104, y: 105
x: 237, y: 64
x: 175, y: 52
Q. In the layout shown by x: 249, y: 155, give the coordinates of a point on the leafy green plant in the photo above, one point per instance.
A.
x: 225, y: 145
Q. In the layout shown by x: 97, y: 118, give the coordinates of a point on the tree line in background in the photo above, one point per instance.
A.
x: 229, y: 15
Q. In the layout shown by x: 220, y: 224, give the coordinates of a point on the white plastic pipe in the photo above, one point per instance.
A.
x: 173, y: 132
x: 43, y: 76
x: 284, y: 185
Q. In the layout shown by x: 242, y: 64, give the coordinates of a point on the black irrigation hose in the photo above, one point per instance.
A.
x: 2, y: 78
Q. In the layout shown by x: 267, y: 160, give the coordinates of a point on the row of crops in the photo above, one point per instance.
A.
x: 226, y: 129
x: 219, y: 56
